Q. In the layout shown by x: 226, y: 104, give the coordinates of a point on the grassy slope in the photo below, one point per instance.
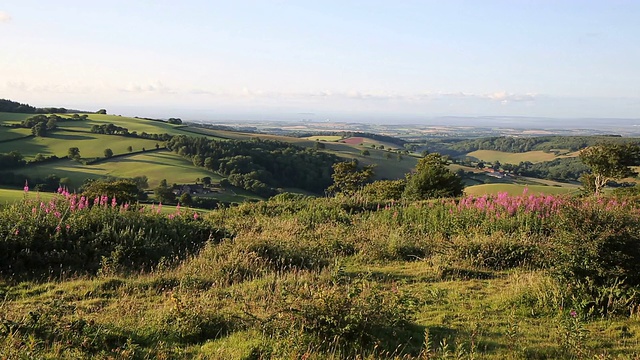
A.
x: 8, y: 196
x: 512, y: 158
x: 509, y: 314
x: 90, y: 145
x: 155, y: 165
x: 517, y: 189
x: 7, y: 133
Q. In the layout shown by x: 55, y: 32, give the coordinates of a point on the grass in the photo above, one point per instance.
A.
x: 9, y: 196
x: 314, y: 280
x: 156, y: 165
x: 324, y: 138
x: 512, y: 158
x: 90, y: 145
x: 517, y: 189
x: 7, y: 133
x: 133, y: 124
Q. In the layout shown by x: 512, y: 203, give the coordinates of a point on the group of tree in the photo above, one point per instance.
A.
x: 110, y: 129
x: 124, y: 190
x: 430, y: 179
x: 175, y: 121
x: 257, y: 165
x: 11, y: 160
x: 16, y: 107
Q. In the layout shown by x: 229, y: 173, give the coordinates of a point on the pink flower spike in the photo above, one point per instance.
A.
x: 26, y: 186
x: 114, y: 202
x: 195, y: 216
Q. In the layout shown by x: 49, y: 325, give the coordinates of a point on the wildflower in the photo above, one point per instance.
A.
x: 68, y: 227
x: 573, y: 313
x: 26, y: 186
x: 58, y: 228
x: 114, y: 202
x: 195, y: 216
x: 17, y: 232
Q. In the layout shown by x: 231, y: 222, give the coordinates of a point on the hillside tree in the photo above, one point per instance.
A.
x: 432, y: 179
x: 347, y: 178
x: 608, y: 162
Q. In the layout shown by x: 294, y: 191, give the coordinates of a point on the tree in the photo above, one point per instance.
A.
x: 206, y: 180
x: 108, y: 153
x: 73, y: 153
x: 432, y: 179
x: 186, y: 199
x: 365, y: 153
x: 39, y: 129
x: 124, y: 190
x: 385, y: 190
x: 609, y: 162
x: 347, y: 179
x: 101, y: 111
x: 164, y: 193
x: 130, y: 148
x: 319, y: 146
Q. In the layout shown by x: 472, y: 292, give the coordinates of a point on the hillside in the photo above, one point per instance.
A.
x: 489, y: 277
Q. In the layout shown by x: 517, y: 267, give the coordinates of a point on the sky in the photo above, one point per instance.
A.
x: 340, y: 60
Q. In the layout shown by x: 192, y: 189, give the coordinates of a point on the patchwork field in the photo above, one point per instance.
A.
x: 90, y: 145
x: 155, y: 165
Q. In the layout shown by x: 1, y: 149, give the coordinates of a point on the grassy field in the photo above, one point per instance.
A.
x: 512, y: 158
x: 517, y: 189
x: 324, y: 138
x: 90, y: 145
x: 155, y: 165
x: 133, y: 124
x: 312, y: 279
x: 7, y: 133
x: 8, y: 196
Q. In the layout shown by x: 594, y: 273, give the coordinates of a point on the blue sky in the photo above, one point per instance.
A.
x: 345, y: 60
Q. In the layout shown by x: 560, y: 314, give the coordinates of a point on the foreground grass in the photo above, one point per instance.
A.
x: 325, y: 279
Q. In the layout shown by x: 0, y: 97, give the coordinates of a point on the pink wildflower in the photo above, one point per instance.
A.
x: 195, y: 216
x: 26, y: 186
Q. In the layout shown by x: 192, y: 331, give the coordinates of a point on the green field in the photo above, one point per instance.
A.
x: 517, y: 189
x: 512, y: 158
x: 133, y: 124
x: 155, y: 165
x: 7, y: 133
x: 90, y: 145
x: 324, y: 138
x: 8, y: 196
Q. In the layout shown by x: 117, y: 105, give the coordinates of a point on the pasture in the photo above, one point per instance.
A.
x: 7, y: 133
x: 156, y: 165
x: 517, y: 189
x: 512, y: 158
x: 91, y: 145
x: 9, y: 196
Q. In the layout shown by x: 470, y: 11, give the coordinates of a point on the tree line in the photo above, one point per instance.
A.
x: 260, y: 166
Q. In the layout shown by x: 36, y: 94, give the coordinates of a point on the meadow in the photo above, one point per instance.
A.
x: 480, y: 277
x: 512, y: 158
x: 517, y: 189
x: 90, y: 145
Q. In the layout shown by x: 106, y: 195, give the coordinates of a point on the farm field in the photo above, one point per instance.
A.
x: 512, y: 158
x: 9, y: 196
x: 156, y: 165
x: 517, y: 189
x: 324, y: 138
x: 133, y: 124
x: 7, y: 133
x: 90, y: 145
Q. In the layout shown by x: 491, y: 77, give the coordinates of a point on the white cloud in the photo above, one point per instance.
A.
x: 4, y: 17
